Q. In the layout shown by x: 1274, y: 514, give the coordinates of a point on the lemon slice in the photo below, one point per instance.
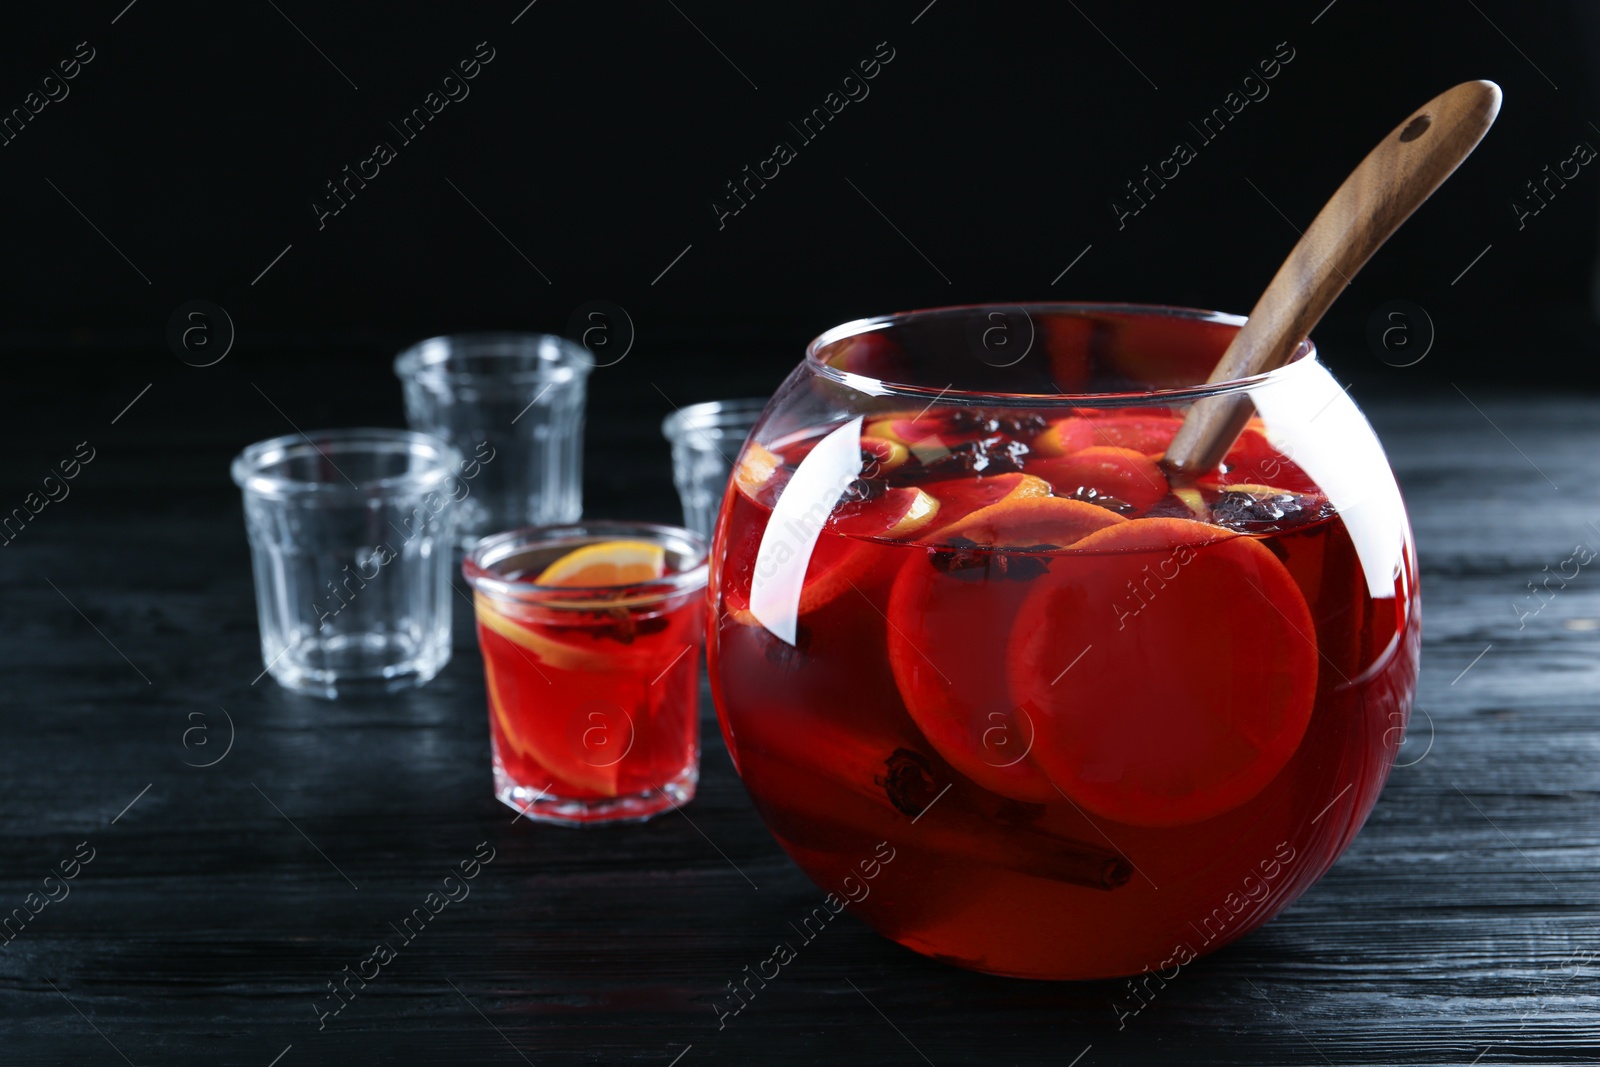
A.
x: 607, y: 563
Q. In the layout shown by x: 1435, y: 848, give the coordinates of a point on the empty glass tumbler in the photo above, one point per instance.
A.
x: 705, y: 438
x: 352, y: 535
x: 514, y: 404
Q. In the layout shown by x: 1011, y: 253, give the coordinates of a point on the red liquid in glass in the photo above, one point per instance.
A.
x: 593, y: 705
x: 1126, y: 736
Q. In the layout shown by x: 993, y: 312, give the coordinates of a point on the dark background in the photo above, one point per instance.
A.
x: 595, y: 142
x: 593, y: 146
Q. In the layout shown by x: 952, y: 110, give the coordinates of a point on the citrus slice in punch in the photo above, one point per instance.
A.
x: 904, y: 430
x: 756, y: 468
x: 949, y: 627
x: 896, y: 513
x: 1032, y: 522
x: 964, y: 497
x: 1142, y: 433
x: 1169, y: 667
x: 879, y: 455
x: 574, y: 647
x: 607, y: 563
x: 838, y: 562
x: 519, y: 709
x: 1123, y: 474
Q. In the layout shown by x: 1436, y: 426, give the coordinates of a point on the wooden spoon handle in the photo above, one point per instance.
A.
x: 1379, y: 195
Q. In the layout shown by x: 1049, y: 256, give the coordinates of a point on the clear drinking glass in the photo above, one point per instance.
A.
x: 593, y: 690
x: 351, y: 534
x: 512, y: 404
x: 705, y: 438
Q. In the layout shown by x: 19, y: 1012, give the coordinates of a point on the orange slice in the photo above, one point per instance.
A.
x: 607, y: 563
x: 1123, y: 473
x: 950, y: 625
x: 755, y: 468
x: 591, y: 655
x: 512, y: 709
x: 1168, y: 668
x: 966, y: 497
x: 838, y: 562
x: 896, y: 513
x: 1142, y: 433
x: 879, y: 455
x: 1027, y: 522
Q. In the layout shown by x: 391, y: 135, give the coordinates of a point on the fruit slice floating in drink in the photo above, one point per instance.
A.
x: 761, y: 474
x: 592, y: 683
x: 1115, y: 654
x: 1148, y: 434
x: 607, y: 563
x: 838, y: 563
x: 967, y: 496
x: 948, y: 634
x: 526, y: 743
x: 1122, y: 478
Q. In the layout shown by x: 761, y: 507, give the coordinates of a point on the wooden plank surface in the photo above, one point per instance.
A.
x: 1462, y: 927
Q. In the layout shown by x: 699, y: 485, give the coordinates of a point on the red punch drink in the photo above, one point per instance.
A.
x: 591, y: 654
x: 1107, y: 724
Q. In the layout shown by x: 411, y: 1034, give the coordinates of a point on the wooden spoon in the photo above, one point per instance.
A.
x: 1379, y: 195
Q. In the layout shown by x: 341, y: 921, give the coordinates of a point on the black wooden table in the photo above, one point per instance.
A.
x: 212, y: 906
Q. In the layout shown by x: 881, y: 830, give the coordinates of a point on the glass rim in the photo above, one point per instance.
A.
x: 428, y: 356
x: 481, y: 557
x: 1305, y: 354
x: 713, y: 416
x: 247, y: 468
